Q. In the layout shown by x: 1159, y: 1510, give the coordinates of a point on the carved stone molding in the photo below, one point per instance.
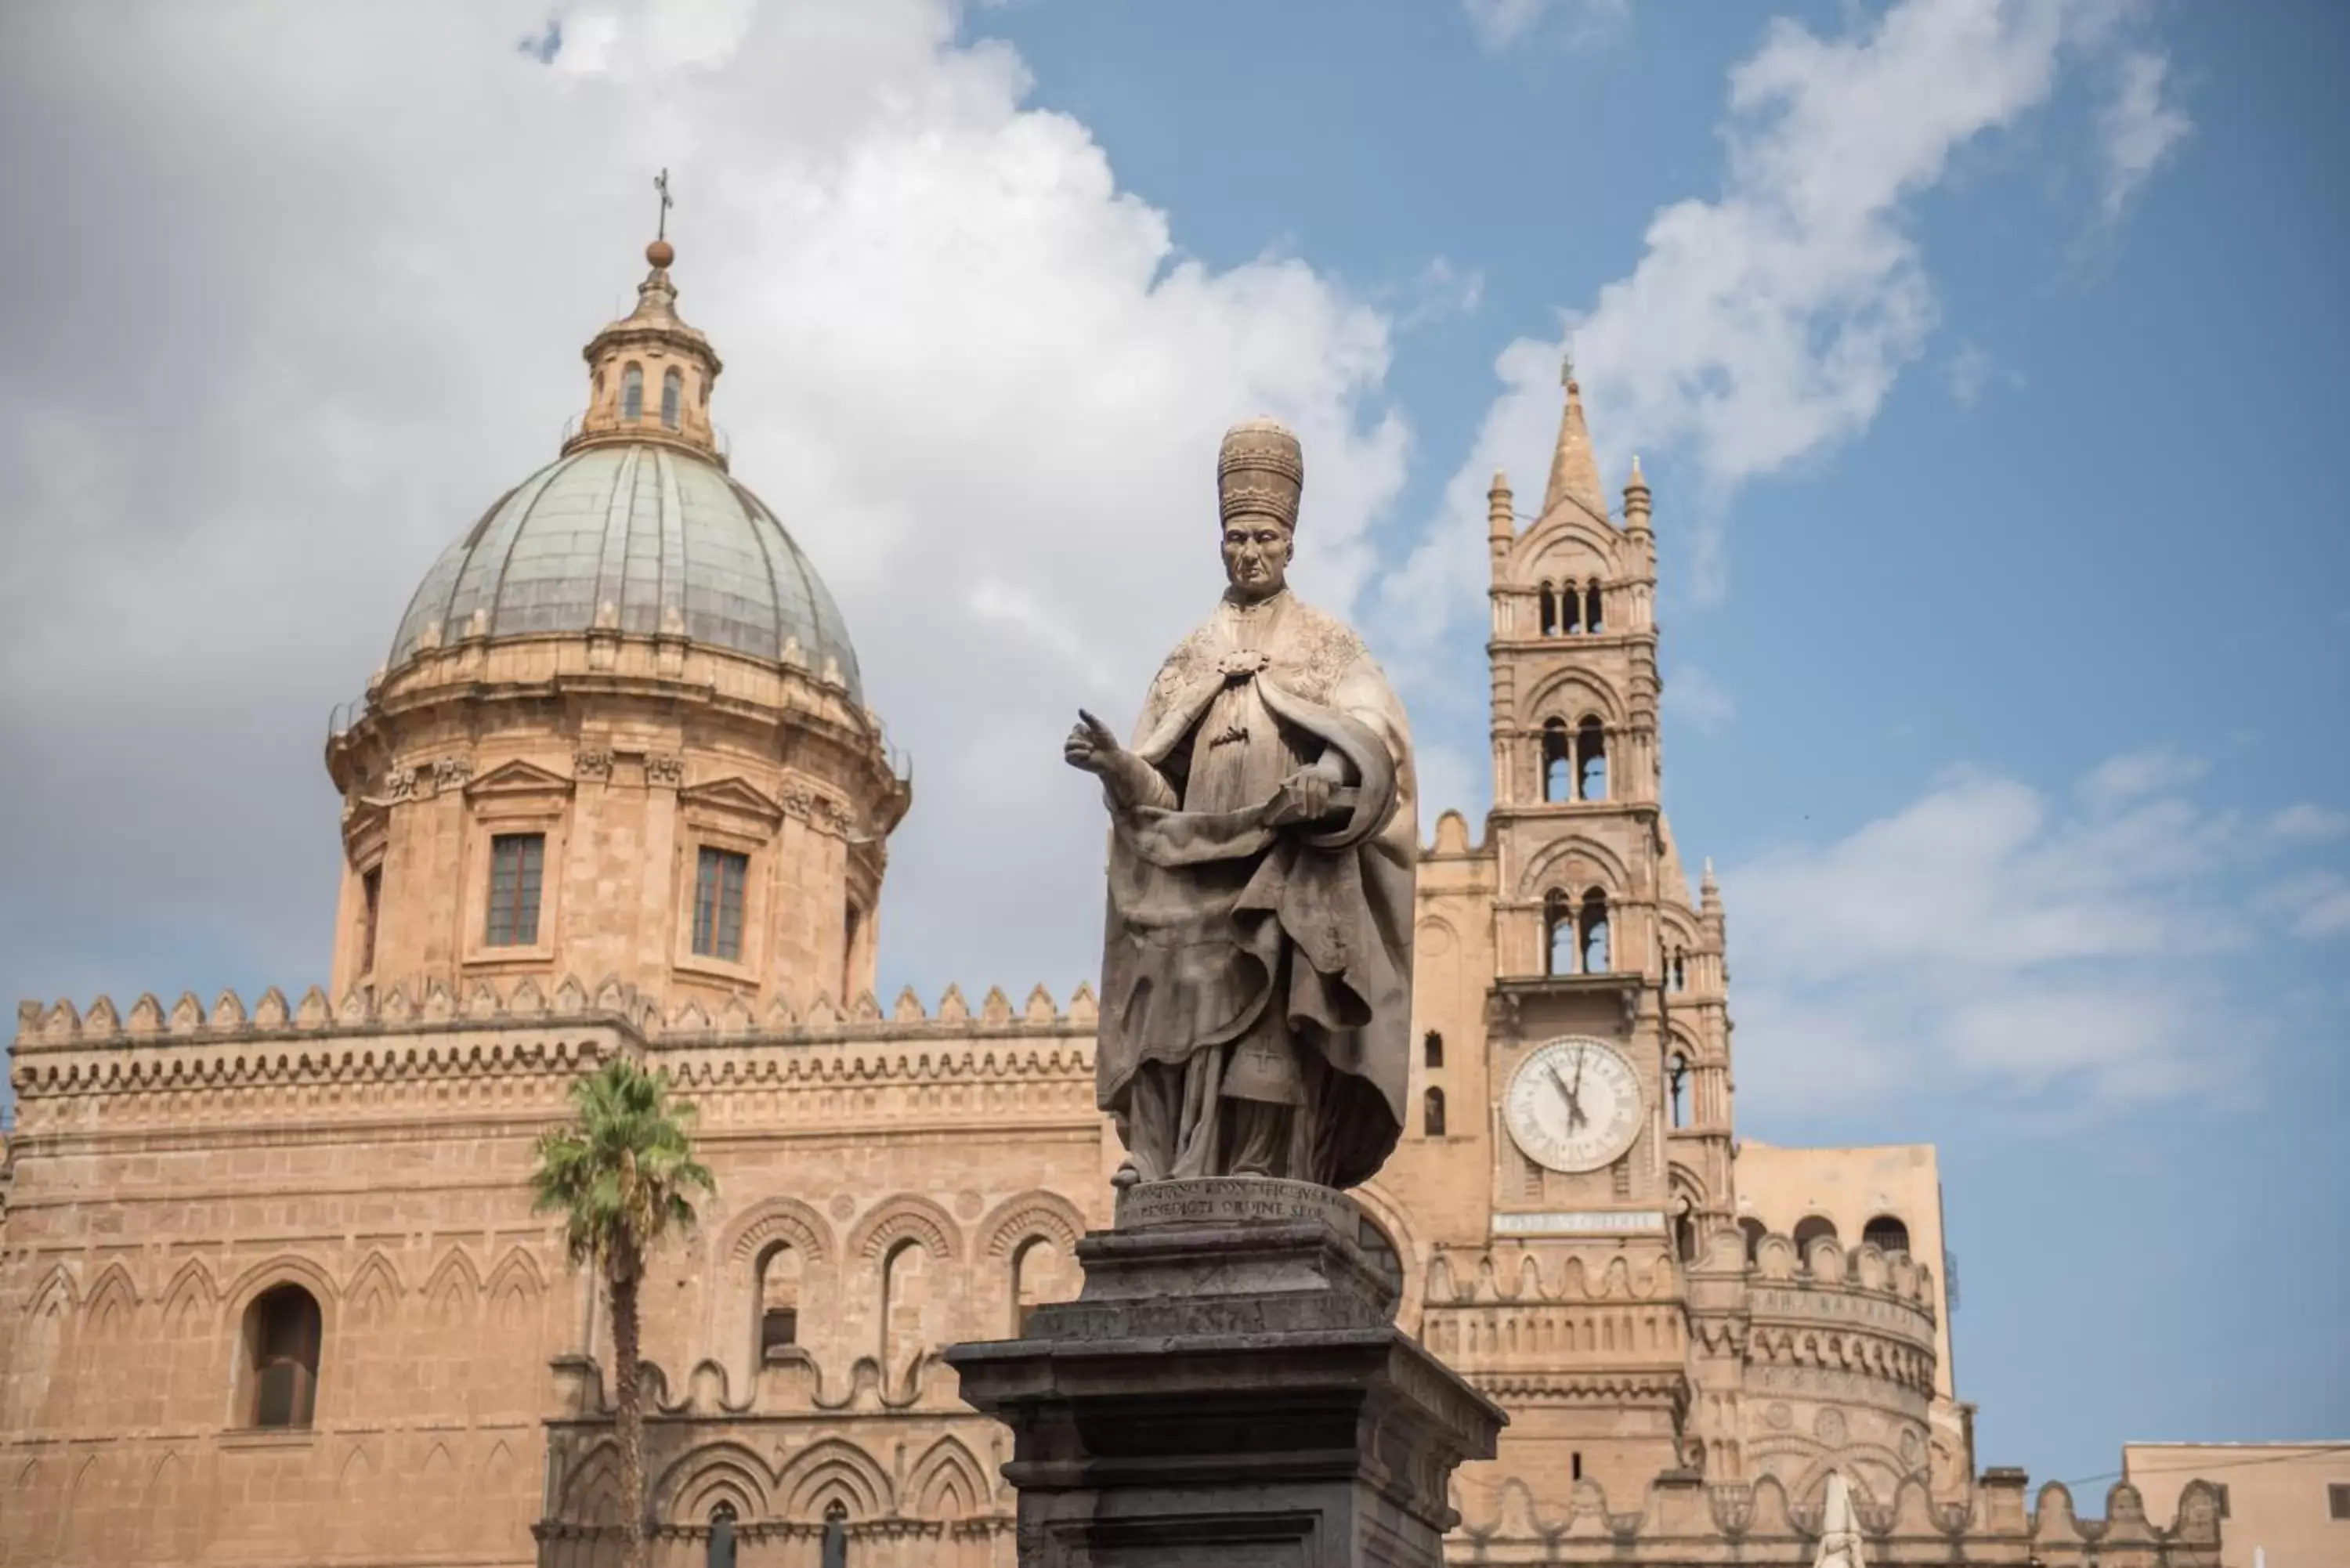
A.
x: 452, y: 773
x: 592, y: 763
x: 664, y: 770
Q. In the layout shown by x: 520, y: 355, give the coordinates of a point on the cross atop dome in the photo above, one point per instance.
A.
x: 649, y: 374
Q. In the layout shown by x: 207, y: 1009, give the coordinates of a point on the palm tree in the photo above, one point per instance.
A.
x: 620, y: 1173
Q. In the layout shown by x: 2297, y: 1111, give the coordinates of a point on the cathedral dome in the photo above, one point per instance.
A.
x: 641, y: 538
x: 620, y: 738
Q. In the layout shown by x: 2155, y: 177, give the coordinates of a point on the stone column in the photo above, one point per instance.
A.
x: 1229, y: 1388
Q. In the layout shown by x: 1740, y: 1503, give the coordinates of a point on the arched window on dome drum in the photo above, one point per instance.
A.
x: 672, y: 398
x: 1590, y: 761
x: 1431, y: 1114
x: 1887, y: 1234
x: 1558, y: 763
x: 1558, y: 934
x: 779, y: 1301
x: 281, y: 1352
x: 1591, y: 923
x: 1753, y: 1230
x: 370, y: 906
x: 632, y: 392
x: 1593, y: 620
x: 720, y: 1551
x: 1810, y: 1228
x: 1549, y: 611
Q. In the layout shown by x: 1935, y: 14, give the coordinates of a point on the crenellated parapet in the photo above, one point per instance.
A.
x: 1684, y: 1521
x: 1816, y: 1360
x: 1531, y: 1334
x: 1855, y: 1309
x: 515, y: 1046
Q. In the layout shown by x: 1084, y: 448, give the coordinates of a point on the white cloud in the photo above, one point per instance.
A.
x: 2306, y: 821
x: 2119, y: 780
x: 2314, y: 905
x: 1765, y: 325
x: 1693, y: 695
x: 1979, y: 937
x: 309, y: 330
x: 1501, y: 23
x: 1441, y: 292
x: 2138, y: 128
x: 1966, y: 373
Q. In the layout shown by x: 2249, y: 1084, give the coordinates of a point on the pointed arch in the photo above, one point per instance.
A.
x: 1573, y: 861
x: 112, y: 1305
x: 1590, y: 759
x: 85, y: 1509
x: 1573, y: 691
x: 948, y: 1482
x: 516, y: 1283
x: 701, y: 1479
x: 834, y: 1471
x: 1558, y: 762
x: 57, y: 1297
x: 594, y: 1482
x: 357, y: 1469
x: 907, y: 1218
x: 454, y: 1288
x: 784, y: 1220
x: 499, y: 1468
x: 1034, y: 1213
x: 374, y: 1293
x: 190, y: 1299
x: 286, y: 1268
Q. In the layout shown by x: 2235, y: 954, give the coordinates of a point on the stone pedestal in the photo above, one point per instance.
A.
x: 1229, y: 1389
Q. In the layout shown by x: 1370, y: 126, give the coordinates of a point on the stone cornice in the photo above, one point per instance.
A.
x: 522, y: 1032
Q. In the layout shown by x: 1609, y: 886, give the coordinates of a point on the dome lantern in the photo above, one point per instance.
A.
x: 620, y: 732
x: 649, y: 374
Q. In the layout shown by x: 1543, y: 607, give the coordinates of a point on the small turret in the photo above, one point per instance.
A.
x: 1636, y: 500
x: 1501, y: 518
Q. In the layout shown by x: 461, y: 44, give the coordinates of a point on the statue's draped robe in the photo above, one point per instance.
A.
x: 1256, y: 976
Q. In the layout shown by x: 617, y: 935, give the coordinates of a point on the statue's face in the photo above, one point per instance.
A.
x: 1256, y: 556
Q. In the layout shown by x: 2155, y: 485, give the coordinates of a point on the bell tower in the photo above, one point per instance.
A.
x: 1606, y: 1032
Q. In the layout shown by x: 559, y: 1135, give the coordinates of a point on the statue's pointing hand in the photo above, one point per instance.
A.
x: 1092, y: 746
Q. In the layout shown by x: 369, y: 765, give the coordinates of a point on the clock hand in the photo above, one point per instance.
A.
x: 1574, y: 1102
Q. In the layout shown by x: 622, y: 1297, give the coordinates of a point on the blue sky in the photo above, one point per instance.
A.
x: 2089, y: 521
x: 2002, y: 591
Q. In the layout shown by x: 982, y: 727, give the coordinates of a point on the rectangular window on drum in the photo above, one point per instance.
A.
x: 517, y: 864
x: 718, y: 904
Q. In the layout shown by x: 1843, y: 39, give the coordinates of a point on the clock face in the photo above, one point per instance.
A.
x: 1574, y: 1105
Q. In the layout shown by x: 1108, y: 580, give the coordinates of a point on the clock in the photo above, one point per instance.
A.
x: 1573, y: 1104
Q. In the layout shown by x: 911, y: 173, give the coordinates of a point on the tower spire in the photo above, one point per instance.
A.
x: 1574, y: 468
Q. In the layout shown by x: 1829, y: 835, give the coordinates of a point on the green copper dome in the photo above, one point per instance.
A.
x: 640, y: 537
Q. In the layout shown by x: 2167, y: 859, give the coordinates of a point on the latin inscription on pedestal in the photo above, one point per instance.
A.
x: 1234, y: 1200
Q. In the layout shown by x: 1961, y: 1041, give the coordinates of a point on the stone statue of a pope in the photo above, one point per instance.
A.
x: 1256, y: 973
